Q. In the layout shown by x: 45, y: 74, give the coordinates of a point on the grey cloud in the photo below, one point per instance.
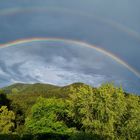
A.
x: 31, y: 62
x: 40, y: 62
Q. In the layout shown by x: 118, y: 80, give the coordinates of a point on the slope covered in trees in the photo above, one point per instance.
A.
x: 76, y: 111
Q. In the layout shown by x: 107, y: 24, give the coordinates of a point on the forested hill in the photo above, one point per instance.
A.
x: 30, y: 88
x: 41, y: 89
x: 73, y: 112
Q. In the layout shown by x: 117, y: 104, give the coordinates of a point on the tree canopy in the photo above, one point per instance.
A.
x: 73, y: 112
x: 6, y: 120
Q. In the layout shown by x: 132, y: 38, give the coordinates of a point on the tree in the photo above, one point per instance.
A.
x: 6, y: 120
x: 15, y: 91
x: 46, y: 117
x: 97, y: 112
x: 130, y: 124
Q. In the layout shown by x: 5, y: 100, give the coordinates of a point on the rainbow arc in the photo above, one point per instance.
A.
x: 80, y: 43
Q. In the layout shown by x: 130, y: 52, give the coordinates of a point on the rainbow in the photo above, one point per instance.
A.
x: 131, y: 32
x: 116, y: 25
x: 107, y: 53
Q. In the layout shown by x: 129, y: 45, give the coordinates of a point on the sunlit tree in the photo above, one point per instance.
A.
x: 46, y: 117
x: 99, y: 111
x: 6, y: 120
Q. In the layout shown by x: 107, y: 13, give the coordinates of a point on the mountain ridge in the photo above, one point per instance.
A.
x: 23, y: 87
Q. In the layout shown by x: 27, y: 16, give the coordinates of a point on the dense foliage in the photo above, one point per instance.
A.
x: 6, y: 120
x: 77, y: 111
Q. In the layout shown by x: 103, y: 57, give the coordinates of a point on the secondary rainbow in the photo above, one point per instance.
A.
x: 107, y: 53
x: 114, y: 24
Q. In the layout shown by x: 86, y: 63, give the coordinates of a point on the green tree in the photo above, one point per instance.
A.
x: 6, y: 120
x: 15, y: 91
x: 97, y: 112
x: 46, y: 117
x: 130, y: 123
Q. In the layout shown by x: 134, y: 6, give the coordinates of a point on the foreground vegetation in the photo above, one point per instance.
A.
x: 77, y: 111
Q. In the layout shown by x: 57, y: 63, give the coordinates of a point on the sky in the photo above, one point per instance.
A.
x: 111, y: 25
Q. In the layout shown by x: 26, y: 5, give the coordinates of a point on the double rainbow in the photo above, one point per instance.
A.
x: 131, y: 32
x: 116, y: 25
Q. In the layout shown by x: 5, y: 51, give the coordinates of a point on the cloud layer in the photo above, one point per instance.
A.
x: 60, y: 63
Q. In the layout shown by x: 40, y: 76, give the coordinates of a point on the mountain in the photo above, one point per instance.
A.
x: 39, y: 88
x: 30, y: 88
x: 25, y: 95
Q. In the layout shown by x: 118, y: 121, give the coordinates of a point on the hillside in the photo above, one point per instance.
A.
x: 25, y: 95
x: 76, y: 111
x: 30, y: 88
x: 41, y: 89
